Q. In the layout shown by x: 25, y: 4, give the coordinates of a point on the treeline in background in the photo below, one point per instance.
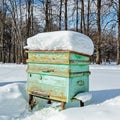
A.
x: 98, y: 19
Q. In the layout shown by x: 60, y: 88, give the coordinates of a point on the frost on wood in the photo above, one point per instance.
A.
x: 61, y: 40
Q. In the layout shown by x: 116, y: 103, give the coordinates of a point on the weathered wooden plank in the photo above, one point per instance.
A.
x: 57, y: 51
x: 66, y: 57
x: 61, y: 89
x: 54, y: 86
x: 79, y: 84
x: 58, y: 70
x: 49, y: 69
x: 79, y: 68
x: 47, y: 57
x: 78, y: 57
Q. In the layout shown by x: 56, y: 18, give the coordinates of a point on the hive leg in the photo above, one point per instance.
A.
x: 32, y: 102
x: 81, y: 103
x: 49, y: 101
x: 63, y: 105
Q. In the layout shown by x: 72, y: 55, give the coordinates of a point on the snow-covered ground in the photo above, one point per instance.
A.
x: 104, y: 87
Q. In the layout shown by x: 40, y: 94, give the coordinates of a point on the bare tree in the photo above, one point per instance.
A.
x: 66, y: 19
x: 48, y: 15
x: 88, y: 18
x: 60, y: 14
x: 29, y: 17
x: 118, y: 41
x: 82, y: 23
x: 98, y: 50
x: 77, y: 17
x: 2, y: 29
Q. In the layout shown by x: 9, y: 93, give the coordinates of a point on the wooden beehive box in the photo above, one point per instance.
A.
x: 57, y: 75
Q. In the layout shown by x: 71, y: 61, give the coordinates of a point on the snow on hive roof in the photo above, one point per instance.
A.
x: 61, y: 40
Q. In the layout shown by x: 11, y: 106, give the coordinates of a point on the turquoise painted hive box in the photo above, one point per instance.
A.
x: 57, y: 75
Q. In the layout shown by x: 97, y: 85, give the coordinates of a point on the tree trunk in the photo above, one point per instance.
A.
x: 2, y: 32
x: 60, y: 14
x: 29, y: 18
x: 118, y: 41
x: 66, y: 14
x: 88, y: 18
x: 98, y: 50
x: 82, y: 17
x: 1, y: 36
x: 47, y: 17
x: 50, y: 16
x: 76, y: 15
x: 21, y: 39
x: 32, y: 17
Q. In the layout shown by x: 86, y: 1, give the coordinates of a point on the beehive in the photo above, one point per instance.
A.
x: 57, y: 75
